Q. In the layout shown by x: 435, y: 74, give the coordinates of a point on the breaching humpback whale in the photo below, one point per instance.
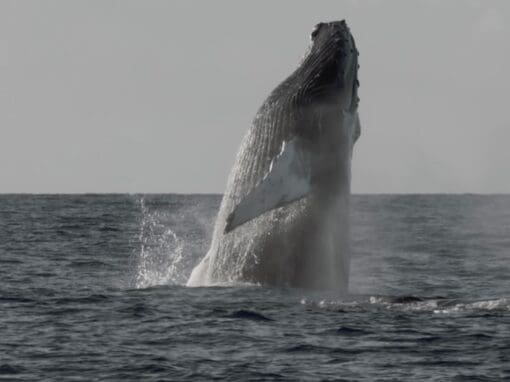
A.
x: 284, y: 217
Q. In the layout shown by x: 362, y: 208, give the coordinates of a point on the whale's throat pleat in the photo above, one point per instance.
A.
x: 272, y: 126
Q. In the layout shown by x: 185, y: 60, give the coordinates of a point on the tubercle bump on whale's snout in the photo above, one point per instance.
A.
x: 331, y: 31
x: 328, y: 72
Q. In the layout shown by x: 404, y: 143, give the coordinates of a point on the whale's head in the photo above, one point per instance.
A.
x: 329, y: 70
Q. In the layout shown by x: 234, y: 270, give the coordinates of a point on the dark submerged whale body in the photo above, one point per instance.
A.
x: 284, y: 217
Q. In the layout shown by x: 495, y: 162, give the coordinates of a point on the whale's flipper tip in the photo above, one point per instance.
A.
x: 288, y: 180
x: 234, y: 220
x: 228, y: 226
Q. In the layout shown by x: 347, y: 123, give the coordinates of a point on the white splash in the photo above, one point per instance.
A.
x: 161, y: 255
x: 428, y: 306
x: 490, y: 305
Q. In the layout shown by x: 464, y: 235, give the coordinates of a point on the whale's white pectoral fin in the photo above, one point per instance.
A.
x: 288, y: 180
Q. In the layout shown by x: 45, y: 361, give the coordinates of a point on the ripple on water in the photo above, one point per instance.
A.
x: 249, y: 315
x: 71, y: 310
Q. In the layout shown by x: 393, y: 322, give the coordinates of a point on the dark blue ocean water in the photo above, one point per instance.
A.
x: 91, y: 290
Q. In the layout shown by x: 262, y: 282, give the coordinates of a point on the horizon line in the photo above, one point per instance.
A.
x: 219, y: 193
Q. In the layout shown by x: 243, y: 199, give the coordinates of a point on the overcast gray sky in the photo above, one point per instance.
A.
x: 155, y: 96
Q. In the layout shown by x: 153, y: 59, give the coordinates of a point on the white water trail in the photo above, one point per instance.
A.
x: 441, y: 306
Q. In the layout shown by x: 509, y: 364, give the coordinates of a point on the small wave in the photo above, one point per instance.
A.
x: 6, y: 369
x: 89, y: 264
x: 347, y: 331
x: 138, y: 310
x: 66, y: 311
x: 409, y: 304
x: 501, y: 304
x: 439, y: 305
x: 8, y: 299
x: 249, y: 315
x: 94, y: 298
x: 11, y: 261
x: 406, y: 303
x: 307, y: 348
x: 338, y: 306
x: 106, y: 228
x: 472, y: 378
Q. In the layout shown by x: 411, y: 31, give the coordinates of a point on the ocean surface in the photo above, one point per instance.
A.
x: 91, y: 289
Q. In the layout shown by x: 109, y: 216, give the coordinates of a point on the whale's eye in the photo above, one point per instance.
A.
x: 316, y: 30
